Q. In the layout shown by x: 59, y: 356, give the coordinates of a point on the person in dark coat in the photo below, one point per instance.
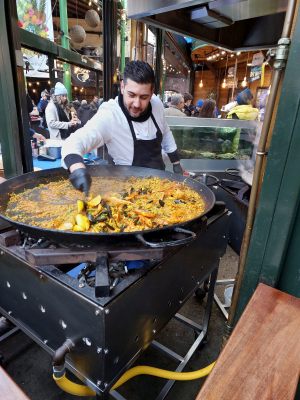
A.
x: 95, y: 103
x: 85, y: 112
x: 42, y: 104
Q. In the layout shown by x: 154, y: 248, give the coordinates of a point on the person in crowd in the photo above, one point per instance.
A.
x: 58, y: 116
x: 176, y: 106
x: 42, y: 104
x: 95, y: 103
x: 32, y: 133
x: 132, y: 126
x: 244, y: 109
x: 168, y: 102
x: 199, y: 104
x: 85, y: 112
x: 188, y: 108
x: 208, y: 109
x: 29, y: 103
x: 76, y: 104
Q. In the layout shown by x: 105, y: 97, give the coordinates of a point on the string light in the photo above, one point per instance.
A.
x: 224, y: 84
x: 49, y: 83
x: 33, y: 90
x: 29, y: 84
x: 38, y: 83
x: 244, y: 83
x: 201, y: 82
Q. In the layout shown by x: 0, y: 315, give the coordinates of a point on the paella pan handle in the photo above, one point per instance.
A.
x: 188, y: 239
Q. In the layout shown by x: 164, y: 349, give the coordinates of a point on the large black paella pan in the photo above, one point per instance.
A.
x: 158, y: 237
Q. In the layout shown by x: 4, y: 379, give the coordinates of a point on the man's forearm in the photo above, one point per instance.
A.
x: 74, y: 161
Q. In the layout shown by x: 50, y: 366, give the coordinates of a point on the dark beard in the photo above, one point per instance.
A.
x: 141, y: 118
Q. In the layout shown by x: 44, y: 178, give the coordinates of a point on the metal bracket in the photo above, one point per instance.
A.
x: 102, y: 285
x: 281, y: 53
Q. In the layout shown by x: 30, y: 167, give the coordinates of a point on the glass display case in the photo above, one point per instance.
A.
x: 215, y: 144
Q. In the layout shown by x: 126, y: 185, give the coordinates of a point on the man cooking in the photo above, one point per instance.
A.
x: 132, y: 126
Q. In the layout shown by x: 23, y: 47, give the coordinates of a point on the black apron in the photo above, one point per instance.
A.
x: 146, y: 153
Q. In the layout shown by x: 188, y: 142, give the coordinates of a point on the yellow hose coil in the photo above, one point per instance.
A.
x: 73, y: 388
x: 81, y: 390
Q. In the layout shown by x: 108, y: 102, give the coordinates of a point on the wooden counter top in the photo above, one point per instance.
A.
x: 9, y: 389
x: 261, y: 360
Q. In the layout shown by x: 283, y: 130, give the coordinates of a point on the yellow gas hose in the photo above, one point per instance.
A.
x: 73, y: 388
x: 81, y: 390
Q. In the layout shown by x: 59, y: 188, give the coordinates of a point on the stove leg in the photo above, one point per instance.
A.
x: 104, y: 396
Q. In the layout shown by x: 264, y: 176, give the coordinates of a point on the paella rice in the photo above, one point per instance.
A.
x: 115, y: 205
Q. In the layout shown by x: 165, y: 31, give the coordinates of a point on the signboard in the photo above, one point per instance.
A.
x: 255, y: 73
x: 83, y: 77
x: 36, y: 16
x: 231, y: 81
x: 257, y: 59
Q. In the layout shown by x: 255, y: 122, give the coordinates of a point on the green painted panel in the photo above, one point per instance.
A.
x: 45, y: 46
x: 9, y: 129
x: 37, y: 43
x: 290, y: 275
x: 279, y: 200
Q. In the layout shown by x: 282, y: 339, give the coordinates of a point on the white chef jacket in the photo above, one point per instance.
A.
x: 109, y: 126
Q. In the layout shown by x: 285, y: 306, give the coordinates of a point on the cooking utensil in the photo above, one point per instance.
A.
x: 160, y: 237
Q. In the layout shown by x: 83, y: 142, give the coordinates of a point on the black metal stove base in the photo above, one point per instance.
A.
x: 44, y: 303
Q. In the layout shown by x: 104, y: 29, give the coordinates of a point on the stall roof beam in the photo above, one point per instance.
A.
x: 41, y: 45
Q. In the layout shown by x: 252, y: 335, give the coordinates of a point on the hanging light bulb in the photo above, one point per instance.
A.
x: 224, y: 83
x: 244, y: 83
x: 201, y: 81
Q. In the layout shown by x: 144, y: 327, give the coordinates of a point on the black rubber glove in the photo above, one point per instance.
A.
x: 177, y: 169
x: 81, y: 180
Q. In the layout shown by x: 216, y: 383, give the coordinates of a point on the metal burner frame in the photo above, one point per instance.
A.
x: 110, y: 332
x: 200, y: 335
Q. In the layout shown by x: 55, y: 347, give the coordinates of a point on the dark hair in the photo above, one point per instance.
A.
x: 139, y: 72
x: 187, y: 97
x: 244, y: 97
x: 208, y: 108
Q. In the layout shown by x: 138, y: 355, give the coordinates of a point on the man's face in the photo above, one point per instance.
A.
x: 136, y: 96
x: 188, y: 103
x: 96, y: 98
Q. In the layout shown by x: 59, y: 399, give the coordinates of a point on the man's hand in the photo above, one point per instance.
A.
x: 81, y: 180
x: 177, y: 169
x: 39, y: 137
